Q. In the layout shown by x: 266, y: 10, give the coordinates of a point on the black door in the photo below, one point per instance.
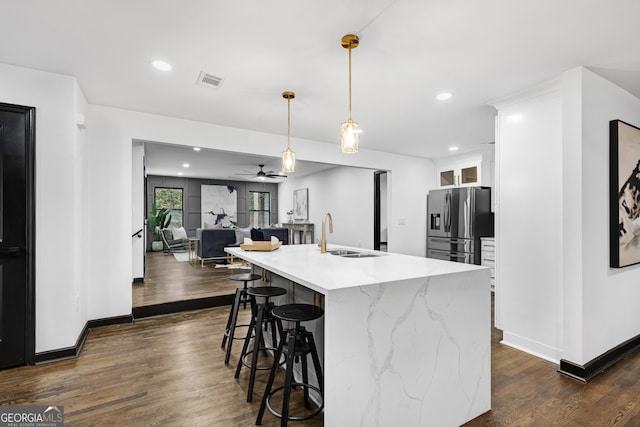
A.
x: 17, y: 319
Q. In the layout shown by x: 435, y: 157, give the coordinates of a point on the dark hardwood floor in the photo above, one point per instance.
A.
x: 167, y: 280
x: 165, y: 371
x: 168, y: 370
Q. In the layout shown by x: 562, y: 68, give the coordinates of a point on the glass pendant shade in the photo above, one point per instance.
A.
x: 288, y: 161
x: 350, y: 137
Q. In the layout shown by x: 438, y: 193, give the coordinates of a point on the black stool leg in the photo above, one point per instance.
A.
x: 316, y: 364
x: 232, y: 327
x: 236, y: 302
x: 305, y: 378
x: 272, y: 376
x: 274, y: 341
x: 252, y: 325
x: 256, y: 348
x: 288, y: 378
x: 245, y: 294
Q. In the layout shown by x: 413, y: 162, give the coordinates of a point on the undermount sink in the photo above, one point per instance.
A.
x: 342, y: 252
x: 360, y: 255
x: 346, y: 253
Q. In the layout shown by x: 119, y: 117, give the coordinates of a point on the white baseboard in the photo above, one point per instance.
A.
x: 534, y: 348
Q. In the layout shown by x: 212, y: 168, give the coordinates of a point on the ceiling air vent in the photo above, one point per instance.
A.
x: 209, y: 80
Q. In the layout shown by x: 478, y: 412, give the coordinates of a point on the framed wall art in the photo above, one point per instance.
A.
x: 301, y: 204
x: 219, y: 205
x: 624, y: 184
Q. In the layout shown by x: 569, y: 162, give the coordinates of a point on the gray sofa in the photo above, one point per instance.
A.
x: 212, y: 241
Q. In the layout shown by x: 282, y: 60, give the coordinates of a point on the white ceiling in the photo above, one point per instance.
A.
x: 168, y: 160
x: 410, y: 51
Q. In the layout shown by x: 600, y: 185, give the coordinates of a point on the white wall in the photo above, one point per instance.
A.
x: 346, y: 193
x: 84, y: 195
x: 529, y: 221
x: 111, y: 133
x: 60, y: 187
x: 609, y: 296
x: 556, y: 295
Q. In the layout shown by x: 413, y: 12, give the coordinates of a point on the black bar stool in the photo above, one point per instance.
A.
x: 297, y: 344
x: 241, y: 297
x: 262, y: 317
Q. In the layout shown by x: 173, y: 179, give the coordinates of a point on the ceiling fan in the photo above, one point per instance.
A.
x: 262, y: 175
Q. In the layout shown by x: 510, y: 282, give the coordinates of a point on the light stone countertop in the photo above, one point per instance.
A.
x: 304, y: 264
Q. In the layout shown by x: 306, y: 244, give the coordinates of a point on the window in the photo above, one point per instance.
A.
x: 259, y: 206
x: 170, y: 198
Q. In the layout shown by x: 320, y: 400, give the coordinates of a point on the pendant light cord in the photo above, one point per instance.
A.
x: 350, y: 81
x: 289, y: 123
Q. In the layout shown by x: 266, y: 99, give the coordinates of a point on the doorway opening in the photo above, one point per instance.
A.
x: 380, y: 220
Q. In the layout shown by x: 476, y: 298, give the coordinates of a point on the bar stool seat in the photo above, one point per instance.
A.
x: 297, y: 344
x: 262, y: 317
x: 240, y: 297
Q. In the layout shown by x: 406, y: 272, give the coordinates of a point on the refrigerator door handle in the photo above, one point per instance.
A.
x: 447, y: 212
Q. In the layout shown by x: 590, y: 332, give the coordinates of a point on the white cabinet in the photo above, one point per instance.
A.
x: 460, y: 175
x: 488, y: 257
x: 470, y: 169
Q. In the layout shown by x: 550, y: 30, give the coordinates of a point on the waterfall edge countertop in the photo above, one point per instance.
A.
x: 305, y: 265
x: 405, y: 340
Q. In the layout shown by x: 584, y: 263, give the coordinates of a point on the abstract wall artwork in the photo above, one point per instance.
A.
x: 301, y: 204
x: 219, y: 205
x: 624, y: 205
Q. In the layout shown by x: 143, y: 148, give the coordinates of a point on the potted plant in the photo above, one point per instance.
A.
x: 159, y: 220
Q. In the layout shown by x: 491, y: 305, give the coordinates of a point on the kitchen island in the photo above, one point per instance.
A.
x: 406, y: 339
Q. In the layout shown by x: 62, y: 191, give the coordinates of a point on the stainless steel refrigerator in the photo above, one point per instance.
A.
x: 456, y: 219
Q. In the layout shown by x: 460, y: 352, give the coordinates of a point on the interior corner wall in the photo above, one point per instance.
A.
x: 346, y: 193
x: 610, y: 296
x: 572, y: 218
x: 528, y: 221
x: 59, y: 149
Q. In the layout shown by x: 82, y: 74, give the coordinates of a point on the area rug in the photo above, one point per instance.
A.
x: 181, y: 256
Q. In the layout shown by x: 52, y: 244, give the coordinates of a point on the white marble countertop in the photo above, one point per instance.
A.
x: 304, y: 264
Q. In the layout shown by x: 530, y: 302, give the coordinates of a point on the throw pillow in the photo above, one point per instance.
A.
x: 241, y: 233
x: 179, y: 233
x: 257, y: 234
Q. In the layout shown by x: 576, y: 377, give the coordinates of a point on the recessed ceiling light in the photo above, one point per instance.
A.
x: 185, y: 165
x: 161, y: 65
x: 453, y: 148
x: 179, y: 173
x: 444, y: 96
x: 196, y: 148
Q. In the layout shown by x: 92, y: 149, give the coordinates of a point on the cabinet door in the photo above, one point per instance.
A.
x: 447, y: 178
x: 469, y: 175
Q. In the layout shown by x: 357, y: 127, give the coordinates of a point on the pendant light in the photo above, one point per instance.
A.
x: 349, y: 132
x: 288, y: 156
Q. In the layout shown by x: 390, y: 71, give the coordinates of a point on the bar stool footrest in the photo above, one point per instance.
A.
x: 293, y: 418
x: 259, y: 368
